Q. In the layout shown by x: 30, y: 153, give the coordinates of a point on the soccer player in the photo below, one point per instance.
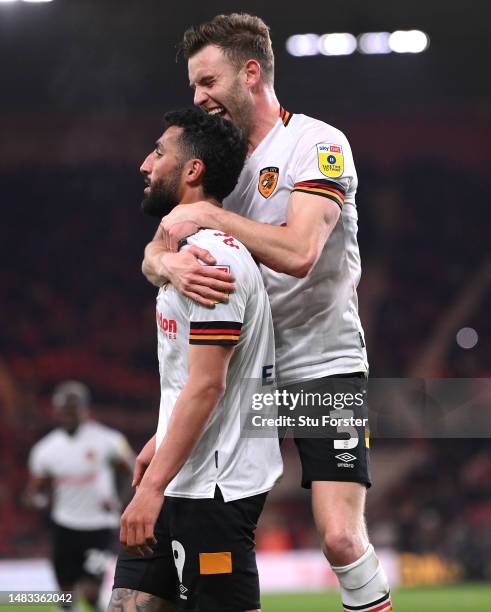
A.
x: 194, y: 548
x: 294, y: 208
x: 75, y: 466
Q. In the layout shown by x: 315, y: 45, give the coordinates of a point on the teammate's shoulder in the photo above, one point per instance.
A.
x: 306, y: 125
x: 218, y: 241
x: 44, y: 443
x: 228, y: 251
x: 95, y: 428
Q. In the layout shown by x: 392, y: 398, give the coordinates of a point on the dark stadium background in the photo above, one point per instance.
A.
x: 83, y: 89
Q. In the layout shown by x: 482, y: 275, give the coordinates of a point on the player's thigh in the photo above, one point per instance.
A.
x: 214, y: 549
x: 97, y: 548
x: 338, y: 506
x: 67, y: 556
x: 336, y: 448
x: 155, y: 574
x: 129, y: 600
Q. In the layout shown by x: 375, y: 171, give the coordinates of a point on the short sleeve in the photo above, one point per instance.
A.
x: 219, y: 325
x: 222, y: 324
x: 323, y: 165
x: 37, y: 462
x: 119, y: 447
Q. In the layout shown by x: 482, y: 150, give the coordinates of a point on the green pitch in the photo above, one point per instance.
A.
x: 459, y: 598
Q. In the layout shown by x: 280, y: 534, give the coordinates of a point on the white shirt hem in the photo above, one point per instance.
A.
x: 309, y: 373
x: 226, y: 498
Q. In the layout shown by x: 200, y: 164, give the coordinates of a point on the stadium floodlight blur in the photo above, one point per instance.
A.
x: 339, y: 43
x: 374, y: 43
x: 367, y: 43
x: 467, y: 338
x: 301, y: 45
x: 411, y: 41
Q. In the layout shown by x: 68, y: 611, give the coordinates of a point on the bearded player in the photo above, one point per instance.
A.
x: 193, y: 550
x: 294, y: 208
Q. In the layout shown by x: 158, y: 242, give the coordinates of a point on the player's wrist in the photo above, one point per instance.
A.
x: 216, y: 215
x: 164, y: 266
x: 154, y: 481
x: 152, y: 484
x: 207, y: 216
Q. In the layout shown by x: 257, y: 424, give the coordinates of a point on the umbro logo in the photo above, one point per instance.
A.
x: 346, y: 457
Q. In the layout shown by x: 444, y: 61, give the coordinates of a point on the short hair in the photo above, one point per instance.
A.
x: 240, y: 36
x: 71, y: 388
x: 218, y: 143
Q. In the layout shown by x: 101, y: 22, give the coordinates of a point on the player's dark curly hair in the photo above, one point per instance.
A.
x: 217, y: 142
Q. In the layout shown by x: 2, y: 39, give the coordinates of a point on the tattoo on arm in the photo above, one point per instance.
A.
x: 129, y: 600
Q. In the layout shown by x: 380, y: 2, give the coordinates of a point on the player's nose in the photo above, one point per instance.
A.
x: 200, y: 97
x: 146, y: 166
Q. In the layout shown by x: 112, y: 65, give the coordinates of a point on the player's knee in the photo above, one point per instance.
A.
x: 129, y: 600
x: 90, y: 590
x: 342, y: 546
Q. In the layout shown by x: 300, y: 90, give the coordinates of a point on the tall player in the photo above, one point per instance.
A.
x: 75, y: 465
x: 215, y: 480
x: 294, y: 208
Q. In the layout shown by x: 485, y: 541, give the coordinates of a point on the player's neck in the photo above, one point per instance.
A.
x: 192, y: 195
x: 73, y: 429
x: 266, y: 113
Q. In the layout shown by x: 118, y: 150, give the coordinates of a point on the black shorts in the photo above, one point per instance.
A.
x: 333, y: 452
x: 205, y: 557
x: 80, y: 554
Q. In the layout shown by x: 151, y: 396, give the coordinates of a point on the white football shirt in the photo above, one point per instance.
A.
x: 317, y: 328
x: 241, y: 466
x: 84, y: 491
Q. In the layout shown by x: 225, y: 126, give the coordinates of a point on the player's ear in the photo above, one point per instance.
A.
x: 193, y: 171
x: 252, y: 72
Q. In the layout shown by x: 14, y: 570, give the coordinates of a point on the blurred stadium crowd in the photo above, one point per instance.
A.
x: 74, y: 305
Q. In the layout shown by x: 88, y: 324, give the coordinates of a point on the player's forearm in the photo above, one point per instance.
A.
x: 189, y: 417
x: 153, y: 265
x: 280, y: 248
x: 148, y: 451
x: 37, y: 494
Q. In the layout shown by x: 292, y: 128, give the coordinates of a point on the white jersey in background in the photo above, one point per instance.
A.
x: 317, y: 328
x: 240, y: 466
x: 84, y: 491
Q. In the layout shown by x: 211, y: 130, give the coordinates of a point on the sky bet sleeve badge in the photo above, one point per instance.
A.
x: 331, y: 161
x: 268, y: 179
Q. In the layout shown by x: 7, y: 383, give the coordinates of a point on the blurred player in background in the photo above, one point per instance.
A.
x: 215, y: 480
x: 294, y: 208
x: 75, y: 468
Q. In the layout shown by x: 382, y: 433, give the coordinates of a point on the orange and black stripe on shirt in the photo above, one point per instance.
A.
x: 324, y: 188
x: 225, y: 333
x: 285, y: 116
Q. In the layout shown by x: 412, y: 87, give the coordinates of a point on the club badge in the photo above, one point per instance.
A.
x: 268, y: 179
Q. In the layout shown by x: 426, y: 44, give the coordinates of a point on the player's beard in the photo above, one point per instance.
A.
x: 240, y: 108
x: 162, y: 197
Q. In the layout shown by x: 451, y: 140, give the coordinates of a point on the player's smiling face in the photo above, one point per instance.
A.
x: 219, y: 88
x: 162, y: 173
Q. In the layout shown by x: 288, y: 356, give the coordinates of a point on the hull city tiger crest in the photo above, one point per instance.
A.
x: 331, y: 161
x: 268, y: 179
